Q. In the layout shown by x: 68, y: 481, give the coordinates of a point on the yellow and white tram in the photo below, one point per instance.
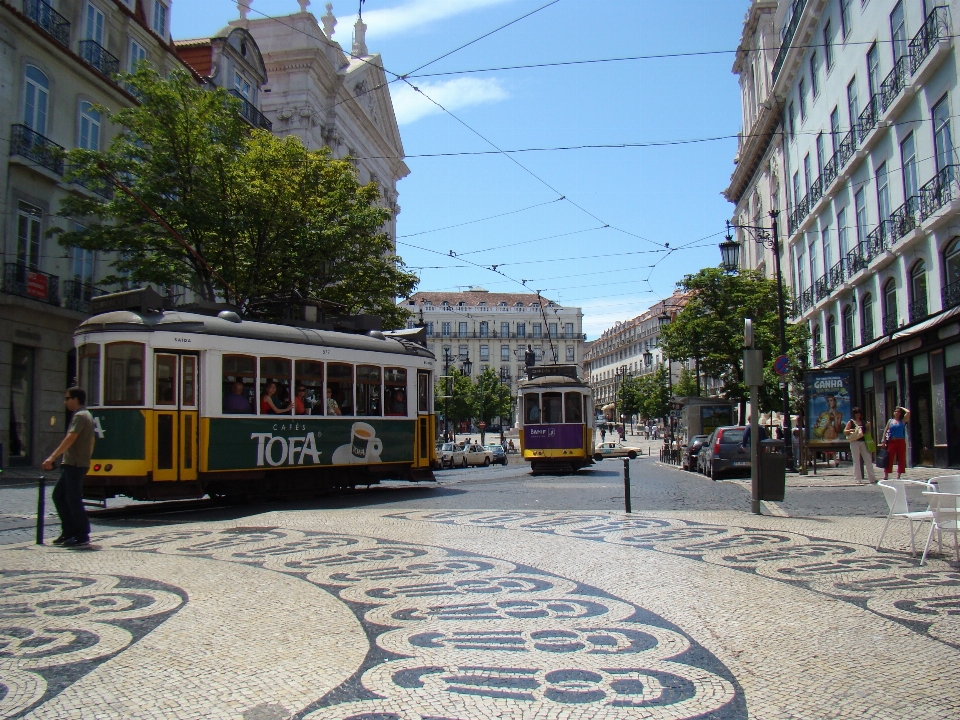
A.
x: 178, y: 400
x: 556, y: 419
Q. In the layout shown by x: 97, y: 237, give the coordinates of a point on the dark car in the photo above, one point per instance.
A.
x: 499, y: 454
x: 722, y: 453
x: 690, y: 452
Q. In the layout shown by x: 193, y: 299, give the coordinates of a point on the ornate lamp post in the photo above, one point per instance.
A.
x: 730, y: 261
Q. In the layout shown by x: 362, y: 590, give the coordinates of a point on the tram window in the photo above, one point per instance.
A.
x: 124, y: 381
x: 572, y: 407
x: 239, y: 377
x: 89, y: 357
x: 423, y: 391
x: 531, y: 408
x: 552, y: 408
x: 188, y: 396
x: 308, y: 375
x: 274, y: 372
x: 369, y: 390
x: 339, y: 389
x: 395, y: 391
x: 165, y: 379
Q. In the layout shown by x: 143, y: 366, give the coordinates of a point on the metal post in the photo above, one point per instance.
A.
x: 788, y: 439
x: 41, y: 508
x: 754, y: 451
x: 626, y: 485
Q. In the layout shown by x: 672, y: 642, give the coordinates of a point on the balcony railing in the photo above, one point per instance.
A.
x: 890, y: 323
x: 822, y: 287
x: 97, y: 185
x: 19, y: 279
x: 866, y: 329
x: 894, y: 83
x: 816, y: 192
x: 77, y: 295
x: 868, y: 118
x: 858, y: 258
x: 831, y: 345
x: 249, y: 112
x: 34, y: 146
x: 496, y: 335
x: 918, y: 310
x: 830, y: 171
x: 838, y: 274
x: 951, y: 295
x: 49, y: 19
x: 97, y: 56
x: 848, y: 343
x: 939, y: 191
x: 904, y: 219
x: 806, y: 299
x: 786, y: 36
x: 934, y: 28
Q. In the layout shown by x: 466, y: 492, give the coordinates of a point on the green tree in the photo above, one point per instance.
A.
x: 460, y: 403
x: 489, y: 399
x: 262, y: 214
x: 653, y: 393
x: 629, y: 400
x: 710, y: 327
x: 686, y: 385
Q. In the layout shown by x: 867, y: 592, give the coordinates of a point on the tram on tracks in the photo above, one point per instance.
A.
x: 556, y: 419
x: 185, y: 403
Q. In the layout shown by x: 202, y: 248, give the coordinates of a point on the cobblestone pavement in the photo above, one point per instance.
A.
x: 412, y: 614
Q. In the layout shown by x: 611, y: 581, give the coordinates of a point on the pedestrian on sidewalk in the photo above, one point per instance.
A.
x: 77, y: 449
x: 854, y: 431
x: 895, y: 440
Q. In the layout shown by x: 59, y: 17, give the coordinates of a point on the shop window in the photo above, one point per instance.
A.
x: 239, y: 378
x: 124, y: 373
x: 274, y: 373
x: 572, y: 407
x: 308, y: 390
x: 89, y: 375
x: 395, y: 391
x: 339, y: 389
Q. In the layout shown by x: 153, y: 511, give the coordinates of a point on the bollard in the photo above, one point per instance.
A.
x: 626, y: 485
x: 41, y: 508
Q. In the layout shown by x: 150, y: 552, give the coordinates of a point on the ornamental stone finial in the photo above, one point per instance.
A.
x: 303, y: 5
x: 359, y: 39
x: 329, y: 21
x: 244, y: 7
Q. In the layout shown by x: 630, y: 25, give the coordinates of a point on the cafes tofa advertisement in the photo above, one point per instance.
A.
x: 827, y: 396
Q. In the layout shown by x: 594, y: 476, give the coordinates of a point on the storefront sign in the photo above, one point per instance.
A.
x: 827, y: 398
x: 37, y: 285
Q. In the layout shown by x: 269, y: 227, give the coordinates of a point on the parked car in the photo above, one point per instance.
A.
x: 614, y: 450
x: 451, y: 455
x: 690, y: 452
x: 499, y: 455
x: 477, y: 455
x: 722, y: 453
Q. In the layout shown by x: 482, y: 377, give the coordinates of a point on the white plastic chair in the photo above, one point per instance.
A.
x: 895, y: 493
x: 946, y: 516
x: 946, y: 483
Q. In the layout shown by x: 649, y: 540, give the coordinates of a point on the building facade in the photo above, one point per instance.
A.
x: 57, y: 63
x: 870, y: 185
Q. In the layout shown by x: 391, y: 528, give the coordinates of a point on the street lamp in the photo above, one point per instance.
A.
x: 730, y: 260
x: 467, y: 366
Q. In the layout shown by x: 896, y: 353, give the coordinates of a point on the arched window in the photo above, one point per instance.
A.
x: 889, y: 306
x: 846, y: 328
x: 866, y: 319
x: 36, y: 94
x: 90, y: 130
x: 831, y: 338
x: 918, y: 291
x: 817, y: 344
x: 951, y: 263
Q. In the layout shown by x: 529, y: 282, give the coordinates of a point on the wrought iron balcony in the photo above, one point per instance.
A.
x: 786, y: 36
x: 838, y: 274
x: 951, y: 295
x: 904, y: 219
x: 831, y: 345
x: 866, y: 328
x: 934, y: 28
x: 97, y: 185
x: 846, y: 148
x: 48, y: 19
x: 815, y: 193
x: 806, y: 299
x: 830, y: 171
x: 822, y: 287
x: 848, y: 342
x: 34, y: 146
x: 894, y: 83
x: 77, y: 295
x: 858, y: 258
x: 868, y: 118
x: 890, y: 323
x: 250, y: 113
x: 20, y: 279
x: 96, y: 55
x: 939, y: 191
x: 878, y: 239
x: 918, y: 310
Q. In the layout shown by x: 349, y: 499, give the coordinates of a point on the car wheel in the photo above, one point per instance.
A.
x: 486, y: 462
x: 632, y: 455
x: 464, y: 463
x: 714, y: 475
x: 598, y: 457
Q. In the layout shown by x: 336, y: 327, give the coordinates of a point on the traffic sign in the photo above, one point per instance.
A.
x: 481, y: 424
x: 782, y: 365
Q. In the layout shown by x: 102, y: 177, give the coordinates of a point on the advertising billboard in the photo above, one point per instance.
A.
x: 827, y: 399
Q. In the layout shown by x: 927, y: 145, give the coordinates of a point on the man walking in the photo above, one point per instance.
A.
x: 76, y: 448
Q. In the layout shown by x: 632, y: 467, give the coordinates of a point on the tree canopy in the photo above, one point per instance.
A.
x: 710, y: 327
x: 490, y: 398
x: 265, y: 214
x: 645, y: 395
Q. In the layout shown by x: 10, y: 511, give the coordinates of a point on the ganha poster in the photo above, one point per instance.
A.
x: 827, y: 397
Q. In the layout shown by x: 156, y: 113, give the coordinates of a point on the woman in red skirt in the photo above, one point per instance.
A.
x: 895, y: 440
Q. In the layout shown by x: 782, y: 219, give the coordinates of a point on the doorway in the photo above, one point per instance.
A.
x: 20, y: 434
x: 176, y: 427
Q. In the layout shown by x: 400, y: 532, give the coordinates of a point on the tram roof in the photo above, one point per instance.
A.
x: 185, y: 322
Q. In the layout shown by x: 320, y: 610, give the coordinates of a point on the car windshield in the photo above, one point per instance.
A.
x: 732, y: 436
x: 495, y: 447
x: 447, y: 447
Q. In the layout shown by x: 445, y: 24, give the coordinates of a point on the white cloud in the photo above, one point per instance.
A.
x: 413, y: 14
x: 410, y: 106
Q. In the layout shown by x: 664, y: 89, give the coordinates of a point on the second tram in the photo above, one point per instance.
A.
x: 556, y: 419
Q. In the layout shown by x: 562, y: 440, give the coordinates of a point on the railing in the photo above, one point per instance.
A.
x: 868, y: 118
x: 890, y: 324
x: 831, y: 343
x: 806, y: 299
x: 77, y: 295
x: 917, y: 310
x: 934, y: 28
x: 49, y: 19
x: 496, y: 335
x: 847, y: 147
x: 951, y: 295
x: 838, y: 273
x: 866, y: 330
x: 938, y: 192
x: 34, y: 146
x: 847, y: 340
x: 877, y: 239
x: 822, y: 287
x: 97, y: 185
x: 904, y: 219
x: 786, y: 36
x: 249, y: 112
x: 894, y: 83
x: 816, y: 192
x: 19, y: 279
x: 858, y: 258
x: 830, y: 171
x: 99, y: 58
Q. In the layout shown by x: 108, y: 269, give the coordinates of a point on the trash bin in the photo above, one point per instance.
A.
x: 772, y: 471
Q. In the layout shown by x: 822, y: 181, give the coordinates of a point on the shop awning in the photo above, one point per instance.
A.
x: 858, y: 352
x: 611, y: 406
x: 926, y: 324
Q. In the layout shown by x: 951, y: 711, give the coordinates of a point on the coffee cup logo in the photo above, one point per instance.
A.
x: 364, y: 444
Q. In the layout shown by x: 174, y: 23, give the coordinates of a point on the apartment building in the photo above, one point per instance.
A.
x: 849, y: 131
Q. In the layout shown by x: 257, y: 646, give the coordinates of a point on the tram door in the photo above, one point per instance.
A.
x: 425, y: 430
x: 176, y: 421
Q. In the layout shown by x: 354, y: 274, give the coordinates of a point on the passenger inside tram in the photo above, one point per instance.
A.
x: 235, y: 402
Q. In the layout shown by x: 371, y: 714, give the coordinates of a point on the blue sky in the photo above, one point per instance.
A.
x: 649, y: 196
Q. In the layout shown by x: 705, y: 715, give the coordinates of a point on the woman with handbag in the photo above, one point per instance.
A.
x: 856, y: 432
x: 895, y: 441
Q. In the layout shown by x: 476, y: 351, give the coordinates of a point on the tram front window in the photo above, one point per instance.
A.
x: 339, y: 389
x: 124, y: 377
x: 552, y: 408
x: 239, y: 376
x: 531, y: 408
x: 369, y: 391
x: 572, y: 406
x: 309, y: 378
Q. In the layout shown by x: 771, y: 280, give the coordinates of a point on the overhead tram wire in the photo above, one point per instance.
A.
x: 484, y: 219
